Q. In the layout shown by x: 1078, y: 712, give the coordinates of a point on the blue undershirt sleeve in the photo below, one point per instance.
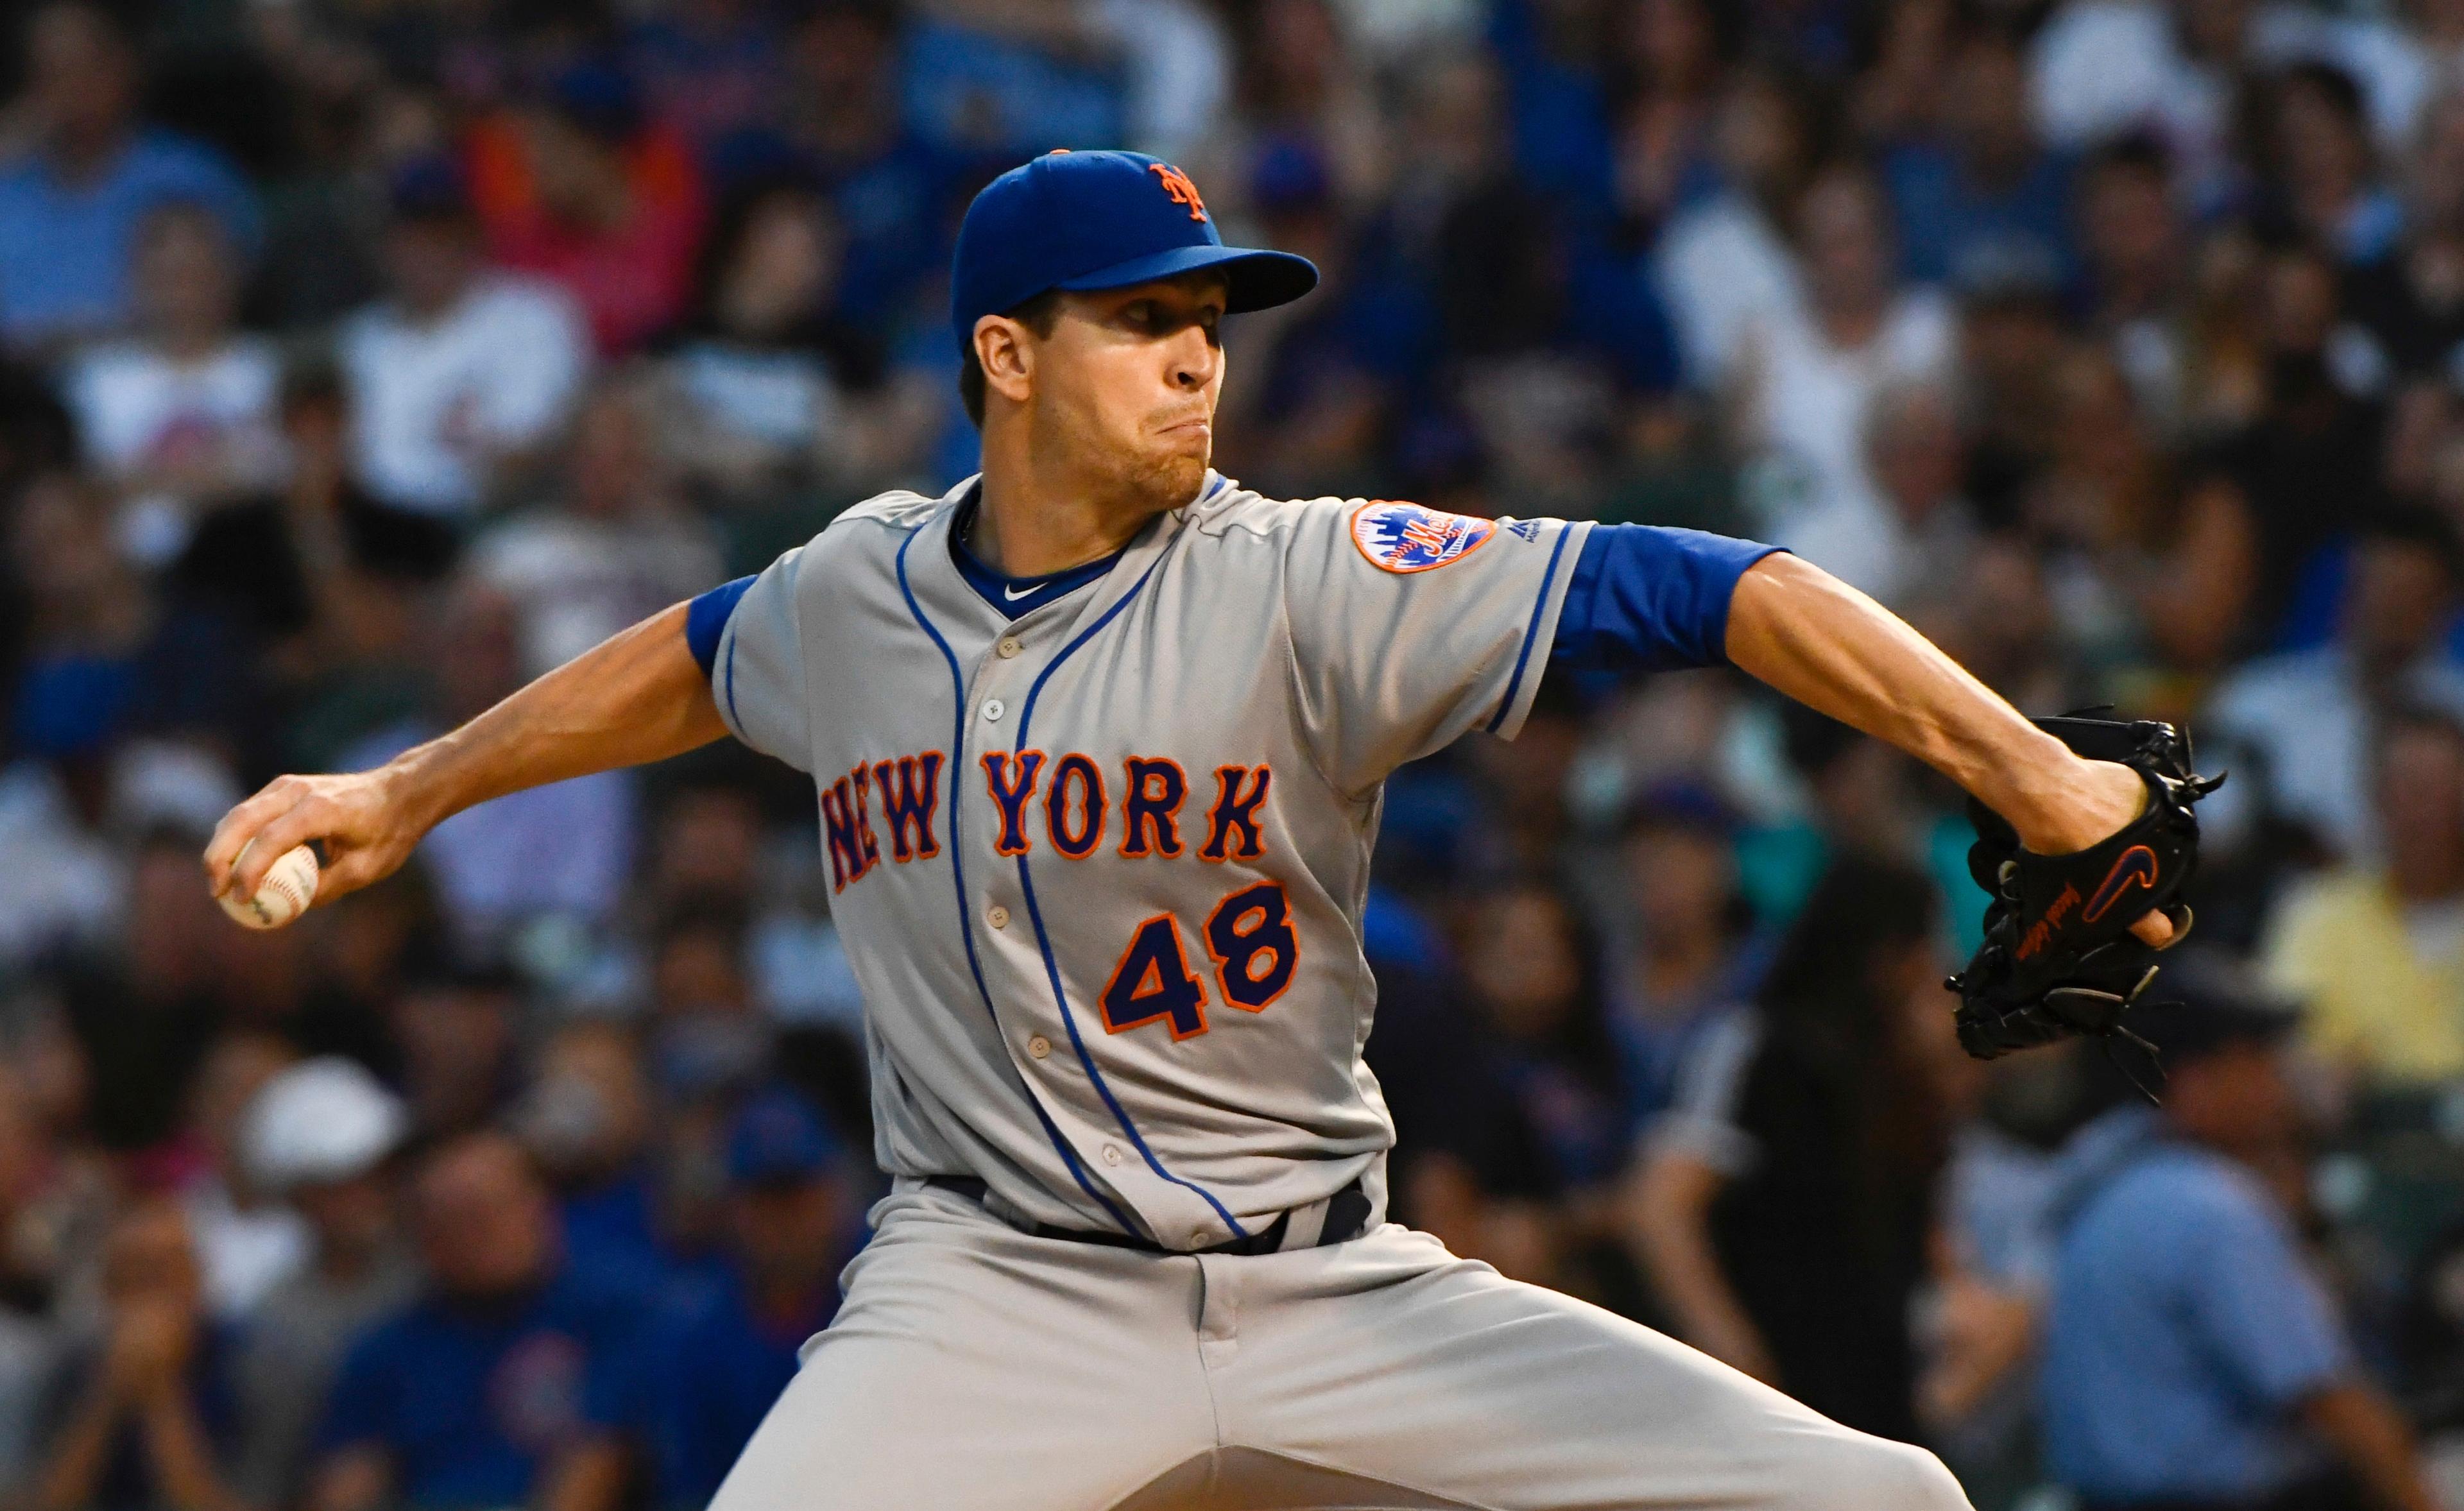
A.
x: 706, y: 619
x: 1651, y: 598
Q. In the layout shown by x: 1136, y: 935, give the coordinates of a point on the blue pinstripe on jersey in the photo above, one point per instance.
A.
x: 732, y: 717
x: 1539, y: 606
x: 959, y: 873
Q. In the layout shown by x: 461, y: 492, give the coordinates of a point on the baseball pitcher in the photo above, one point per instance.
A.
x: 1098, y: 737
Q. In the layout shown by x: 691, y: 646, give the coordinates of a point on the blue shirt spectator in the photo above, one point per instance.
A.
x: 1989, y: 195
x: 511, y: 1359
x: 722, y: 1350
x: 2190, y: 1358
x: 468, y: 1402
x: 2182, y: 1329
x: 1951, y: 223
x: 718, y: 1360
x: 613, y: 1228
x: 70, y: 206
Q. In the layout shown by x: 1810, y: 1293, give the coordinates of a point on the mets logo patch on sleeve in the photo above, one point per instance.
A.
x: 1406, y: 538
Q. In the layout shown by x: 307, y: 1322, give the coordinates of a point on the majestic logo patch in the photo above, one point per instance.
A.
x: 1406, y: 538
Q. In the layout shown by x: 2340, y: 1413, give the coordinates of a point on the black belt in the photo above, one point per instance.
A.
x: 1347, y: 1217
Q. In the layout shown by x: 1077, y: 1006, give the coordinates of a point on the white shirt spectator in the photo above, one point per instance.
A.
x: 2104, y: 67
x: 140, y: 412
x: 2101, y: 68
x: 1807, y: 410
x: 434, y: 404
x: 1721, y: 267
x: 2301, y: 721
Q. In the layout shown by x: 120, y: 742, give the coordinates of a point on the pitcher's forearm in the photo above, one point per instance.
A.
x: 1829, y: 647
x: 637, y: 696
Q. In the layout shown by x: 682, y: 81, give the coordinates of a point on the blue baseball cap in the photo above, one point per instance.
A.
x: 778, y: 1140
x: 1083, y: 221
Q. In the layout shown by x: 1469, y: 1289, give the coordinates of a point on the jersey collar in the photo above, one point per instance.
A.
x: 1013, y: 597
x: 947, y: 588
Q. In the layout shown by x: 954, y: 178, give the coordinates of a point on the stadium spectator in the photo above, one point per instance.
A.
x: 1810, y: 1127
x: 711, y: 66
x: 2190, y: 1356
x: 583, y: 187
x: 1535, y: 972
x: 1926, y: 532
x: 2325, y: 166
x: 1811, y: 378
x: 2376, y: 953
x: 143, y: 1415
x: 2134, y: 247
x: 772, y: 388
x: 2302, y: 723
x: 614, y: 547
x: 841, y: 115
x: 463, y: 374
x: 2317, y: 434
x: 145, y: 1012
x: 73, y: 197
x: 1692, y: 961
x: 1722, y: 264
x: 2411, y: 303
x: 182, y: 416
x: 318, y: 1137
x: 2103, y: 69
x: 722, y: 1349
x: 2135, y: 575
x: 247, y: 1244
x: 1987, y: 189
x: 498, y: 1384
x: 457, y: 1027
x: 587, y: 1121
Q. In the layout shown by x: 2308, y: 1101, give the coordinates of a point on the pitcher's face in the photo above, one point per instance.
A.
x: 1127, y: 384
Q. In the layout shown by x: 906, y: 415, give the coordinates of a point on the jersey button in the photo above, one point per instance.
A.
x: 1111, y: 1153
x: 992, y: 711
x: 997, y: 915
x: 1038, y: 1047
x: 1009, y: 646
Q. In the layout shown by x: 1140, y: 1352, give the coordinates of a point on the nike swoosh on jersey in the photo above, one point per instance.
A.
x: 1014, y: 595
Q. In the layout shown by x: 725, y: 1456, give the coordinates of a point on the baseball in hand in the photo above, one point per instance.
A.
x: 288, y: 889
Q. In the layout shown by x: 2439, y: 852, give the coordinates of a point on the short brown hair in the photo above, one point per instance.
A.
x: 1038, y: 314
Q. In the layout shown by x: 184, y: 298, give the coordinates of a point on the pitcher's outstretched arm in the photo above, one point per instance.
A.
x: 637, y: 696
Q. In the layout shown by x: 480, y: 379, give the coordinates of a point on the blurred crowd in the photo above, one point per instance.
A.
x: 360, y: 359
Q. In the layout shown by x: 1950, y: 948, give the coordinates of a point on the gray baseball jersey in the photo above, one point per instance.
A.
x: 1100, y: 868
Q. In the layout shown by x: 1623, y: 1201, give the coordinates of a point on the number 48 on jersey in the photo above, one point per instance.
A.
x: 1249, y: 936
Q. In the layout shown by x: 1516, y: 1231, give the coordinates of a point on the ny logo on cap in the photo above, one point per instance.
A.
x: 1176, y: 185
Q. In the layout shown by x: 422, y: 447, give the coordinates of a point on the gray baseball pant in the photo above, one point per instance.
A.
x: 976, y: 1366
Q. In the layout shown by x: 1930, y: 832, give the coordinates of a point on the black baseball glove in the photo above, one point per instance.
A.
x: 2059, y: 957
